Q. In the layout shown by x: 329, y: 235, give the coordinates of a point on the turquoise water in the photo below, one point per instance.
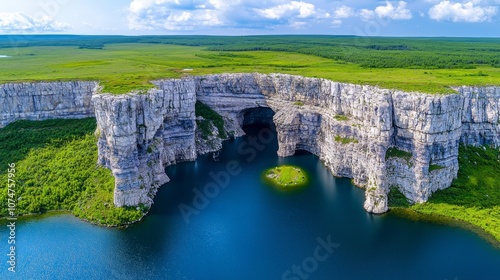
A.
x: 244, y: 229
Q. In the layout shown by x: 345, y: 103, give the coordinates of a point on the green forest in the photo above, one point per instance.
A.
x: 56, y: 170
x: 124, y: 63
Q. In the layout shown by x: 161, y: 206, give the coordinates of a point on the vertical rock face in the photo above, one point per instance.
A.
x: 480, y: 117
x: 140, y: 134
x: 41, y: 101
x: 429, y: 128
x: 380, y: 138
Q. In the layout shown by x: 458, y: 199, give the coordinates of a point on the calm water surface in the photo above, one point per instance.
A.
x: 247, y: 230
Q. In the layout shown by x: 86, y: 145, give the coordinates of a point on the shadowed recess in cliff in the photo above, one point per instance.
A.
x: 258, y: 115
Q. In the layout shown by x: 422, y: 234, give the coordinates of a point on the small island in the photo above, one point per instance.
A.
x: 286, y: 177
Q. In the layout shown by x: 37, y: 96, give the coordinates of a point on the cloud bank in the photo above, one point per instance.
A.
x: 471, y: 11
x: 21, y: 23
x: 196, y: 14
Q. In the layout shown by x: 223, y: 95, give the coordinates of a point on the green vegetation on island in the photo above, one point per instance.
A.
x: 474, y: 197
x: 56, y: 169
x: 286, y: 177
x: 396, y: 198
x: 123, y: 63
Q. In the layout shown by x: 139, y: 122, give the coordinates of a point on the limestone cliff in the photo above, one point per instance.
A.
x: 41, y: 101
x: 140, y: 134
x: 378, y: 137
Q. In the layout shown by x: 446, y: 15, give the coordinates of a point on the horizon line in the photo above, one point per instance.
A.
x: 246, y: 35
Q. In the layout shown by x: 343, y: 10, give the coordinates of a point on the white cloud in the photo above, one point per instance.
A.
x: 336, y: 23
x: 470, y: 11
x: 397, y: 13
x: 340, y: 13
x: 174, y: 14
x: 343, y: 12
x: 292, y: 9
x: 197, y: 14
x: 21, y: 23
x: 366, y: 14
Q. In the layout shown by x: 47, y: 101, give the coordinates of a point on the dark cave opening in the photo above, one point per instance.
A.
x: 258, y: 115
x: 302, y: 152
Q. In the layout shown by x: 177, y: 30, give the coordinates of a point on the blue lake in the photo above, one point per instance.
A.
x: 244, y: 229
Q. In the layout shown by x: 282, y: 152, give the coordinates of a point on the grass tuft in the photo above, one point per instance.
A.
x: 345, y: 140
x: 395, y: 152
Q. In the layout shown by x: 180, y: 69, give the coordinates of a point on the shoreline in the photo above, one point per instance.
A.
x: 434, y: 218
x: 50, y: 213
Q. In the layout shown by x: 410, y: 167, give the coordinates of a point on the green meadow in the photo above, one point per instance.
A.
x: 122, y: 67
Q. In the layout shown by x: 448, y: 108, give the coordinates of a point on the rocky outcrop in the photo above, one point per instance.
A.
x: 378, y: 137
x: 140, y: 134
x: 41, y: 101
x: 480, y: 118
x: 231, y: 95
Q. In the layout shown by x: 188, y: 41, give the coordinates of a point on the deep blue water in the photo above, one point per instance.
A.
x: 247, y: 230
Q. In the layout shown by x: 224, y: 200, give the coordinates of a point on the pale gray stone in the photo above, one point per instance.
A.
x: 140, y: 134
x: 42, y: 101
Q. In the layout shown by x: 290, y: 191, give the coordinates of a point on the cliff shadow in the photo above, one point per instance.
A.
x: 302, y: 152
x: 258, y: 115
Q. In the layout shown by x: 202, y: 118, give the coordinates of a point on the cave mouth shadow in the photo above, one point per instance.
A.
x: 302, y: 152
x: 257, y: 115
x: 256, y: 119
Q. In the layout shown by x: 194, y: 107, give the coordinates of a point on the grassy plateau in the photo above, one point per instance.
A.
x: 123, y: 64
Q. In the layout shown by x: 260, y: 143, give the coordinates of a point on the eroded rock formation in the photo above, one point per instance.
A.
x: 140, y: 134
x: 378, y: 137
x: 41, y: 101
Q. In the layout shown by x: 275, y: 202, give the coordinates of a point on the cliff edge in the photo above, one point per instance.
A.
x: 378, y: 137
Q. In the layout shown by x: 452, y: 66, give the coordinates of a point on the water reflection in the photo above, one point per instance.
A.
x: 251, y: 231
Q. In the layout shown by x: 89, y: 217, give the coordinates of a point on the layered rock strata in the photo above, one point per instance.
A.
x: 140, y: 134
x: 378, y: 137
x: 41, y: 101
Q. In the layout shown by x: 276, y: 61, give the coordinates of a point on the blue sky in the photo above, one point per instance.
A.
x: 246, y: 17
